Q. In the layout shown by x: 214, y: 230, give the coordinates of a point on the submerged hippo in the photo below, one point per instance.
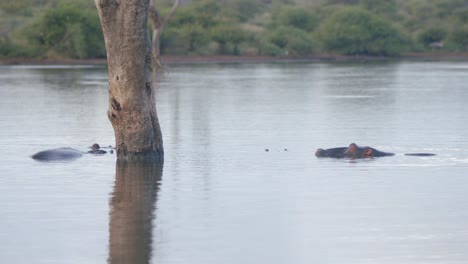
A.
x: 59, y: 154
x: 354, y: 151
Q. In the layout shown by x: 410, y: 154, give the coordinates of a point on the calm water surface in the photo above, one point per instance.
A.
x: 220, y: 197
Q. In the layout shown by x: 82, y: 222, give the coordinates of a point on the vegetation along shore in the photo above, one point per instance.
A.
x: 53, y: 31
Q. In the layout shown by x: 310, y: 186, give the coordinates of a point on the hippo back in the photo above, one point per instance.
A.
x: 59, y: 154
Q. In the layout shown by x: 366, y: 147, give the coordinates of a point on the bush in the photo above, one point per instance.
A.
x: 228, y: 38
x: 190, y: 15
x: 245, y: 9
x: 270, y: 49
x: 184, y: 40
x: 446, y: 8
x: 388, y: 8
x: 68, y: 30
x: 183, y: 16
x: 297, y: 17
x: 341, y: 2
x: 353, y: 31
x: 8, y: 49
x: 459, y: 38
x: 291, y: 41
x: 16, y: 7
x: 461, y: 16
x: 431, y: 35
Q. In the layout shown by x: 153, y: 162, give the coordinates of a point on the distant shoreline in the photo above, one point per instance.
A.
x: 172, y: 60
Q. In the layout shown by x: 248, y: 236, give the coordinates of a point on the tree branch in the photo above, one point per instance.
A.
x: 153, y: 15
x: 169, y: 15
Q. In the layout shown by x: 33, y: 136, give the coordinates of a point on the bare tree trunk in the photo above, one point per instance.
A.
x: 132, y: 103
x: 158, y: 23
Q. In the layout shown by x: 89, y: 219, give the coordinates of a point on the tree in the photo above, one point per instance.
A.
x: 459, y: 38
x: 158, y: 24
x: 387, y: 8
x: 132, y: 104
x: 228, y: 35
x: 295, y: 16
x: 432, y: 35
x: 354, y: 31
x: 67, y: 30
x: 292, y: 41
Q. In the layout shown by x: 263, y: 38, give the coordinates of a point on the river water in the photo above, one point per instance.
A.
x: 220, y: 196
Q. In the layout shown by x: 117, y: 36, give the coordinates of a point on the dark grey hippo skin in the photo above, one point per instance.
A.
x: 66, y: 154
x: 354, y: 151
x: 57, y: 154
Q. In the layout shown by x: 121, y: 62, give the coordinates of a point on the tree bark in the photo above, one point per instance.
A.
x: 132, y: 103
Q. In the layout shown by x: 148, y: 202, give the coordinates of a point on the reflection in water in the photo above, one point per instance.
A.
x: 226, y: 200
x: 132, y: 209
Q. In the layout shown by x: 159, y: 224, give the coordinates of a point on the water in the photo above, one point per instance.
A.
x: 220, y: 197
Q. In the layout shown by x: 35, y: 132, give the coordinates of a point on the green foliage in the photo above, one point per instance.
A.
x: 188, y: 39
x: 291, y: 41
x: 212, y: 7
x: 459, y: 38
x: 245, y: 9
x: 270, y: 49
x: 342, y: 2
x: 195, y: 27
x: 388, y: 8
x: 71, y: 28
x: 354, y: 31
x: 17, y: 7
x: 173, y: 42
x: 191, y: 28
x: 12, y: 50
x: 204, y: 13
x: 445, y: 8
x: 461, y: 16
x: 68, y: 30
x: 184, y: 16
x: 297, y: 17
x: 226, y: 36
x: 418, y: 14
x: 431, y: 35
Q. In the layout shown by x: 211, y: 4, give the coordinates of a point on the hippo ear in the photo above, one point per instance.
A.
x: 367, y: 153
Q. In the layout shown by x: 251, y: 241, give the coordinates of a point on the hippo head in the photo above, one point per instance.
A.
x: 321, y: 153
x: 356, y: 152
x: 95, y: 146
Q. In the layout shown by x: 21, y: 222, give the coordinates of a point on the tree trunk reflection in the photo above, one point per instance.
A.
x: 132, y: 210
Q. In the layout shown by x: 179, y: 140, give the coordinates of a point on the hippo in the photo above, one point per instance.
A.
x: 354, y: 151
x: 331, y: 153
x: 96, y: 149
x: 64, y: 154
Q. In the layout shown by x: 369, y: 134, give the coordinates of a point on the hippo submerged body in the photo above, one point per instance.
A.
x: 65, y: 154
x: 57, y: 154
x: 354, y: 151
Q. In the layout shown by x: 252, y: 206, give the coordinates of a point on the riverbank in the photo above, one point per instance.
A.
x: 432, y: 56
